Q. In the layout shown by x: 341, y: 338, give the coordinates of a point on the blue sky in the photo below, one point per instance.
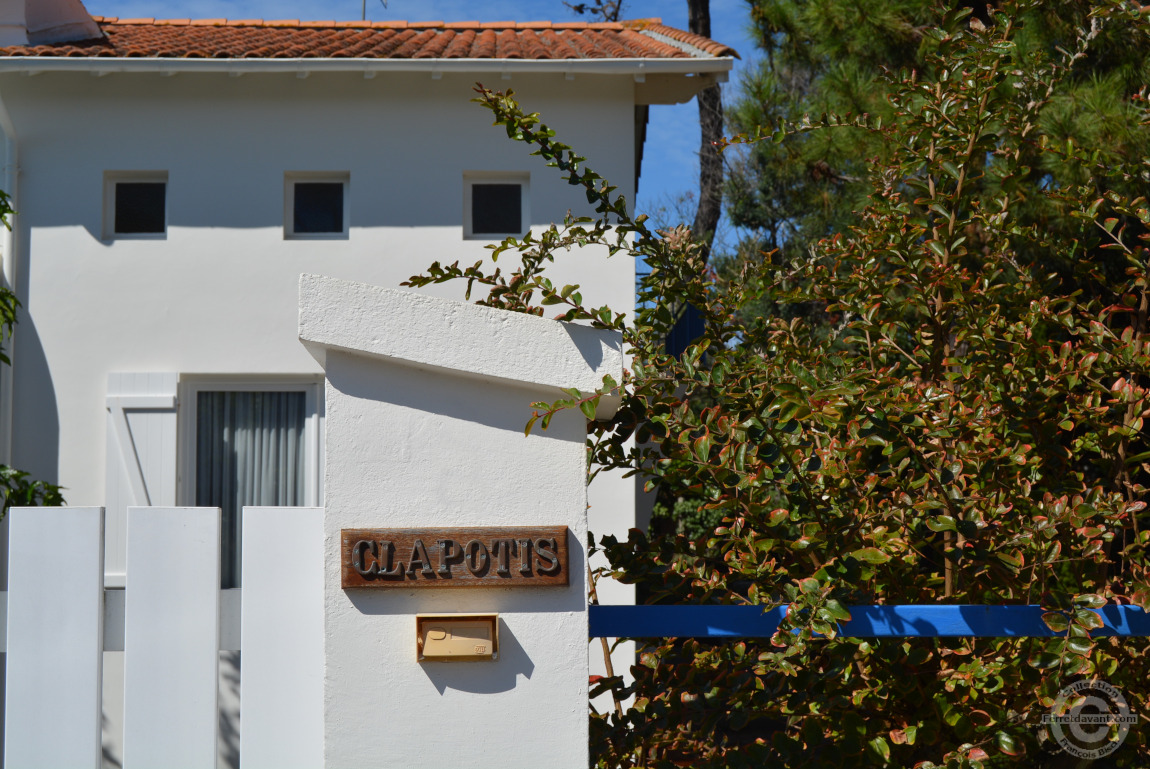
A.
x: 670, y: 167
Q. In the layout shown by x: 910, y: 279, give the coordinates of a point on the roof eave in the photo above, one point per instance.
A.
x: 108, y: 65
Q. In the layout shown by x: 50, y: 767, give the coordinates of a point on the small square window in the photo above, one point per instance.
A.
x: 494, y: 205
x: 315, y: 206
x: 135, y: 204
x: 495, y: 208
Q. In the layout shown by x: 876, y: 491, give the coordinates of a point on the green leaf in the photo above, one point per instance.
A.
x: 1008, y: 744
x: 1043, y: 660
x: 871, y: 555
x: 879, y: 745
x: 941, y: 523
x: 837, y: 610
x: 588, y: 408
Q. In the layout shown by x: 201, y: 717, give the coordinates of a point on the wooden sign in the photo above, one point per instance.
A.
x: 525, y: 556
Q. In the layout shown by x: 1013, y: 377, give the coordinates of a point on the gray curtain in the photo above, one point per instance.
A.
x: 249, y: 451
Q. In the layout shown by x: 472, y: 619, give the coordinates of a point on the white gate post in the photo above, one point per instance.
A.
x: 427, y: 400
x: 171, y: 637
x: 55, y: 637
x: 281, y: 687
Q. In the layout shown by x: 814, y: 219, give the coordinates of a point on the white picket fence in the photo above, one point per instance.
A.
x: 171, y: 623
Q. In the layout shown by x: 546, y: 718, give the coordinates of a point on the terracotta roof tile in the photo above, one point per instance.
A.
x: 290, y: 38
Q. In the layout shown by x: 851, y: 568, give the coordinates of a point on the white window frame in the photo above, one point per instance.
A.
x: 522, y: 178
x: 111, y: 179
x: 291, y: 178
x: 312, y: 386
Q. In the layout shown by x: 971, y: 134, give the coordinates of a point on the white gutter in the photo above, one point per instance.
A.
x: 8, y: 245
x: 109, y: 64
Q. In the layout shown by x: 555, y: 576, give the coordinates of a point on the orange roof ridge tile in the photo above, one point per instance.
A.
x: 277, y: 39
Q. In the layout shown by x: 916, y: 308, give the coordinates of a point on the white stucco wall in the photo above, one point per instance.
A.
x: 436, y: 441
x: 217, y: 295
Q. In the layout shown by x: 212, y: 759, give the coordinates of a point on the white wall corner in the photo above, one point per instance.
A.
x: 467, y: 339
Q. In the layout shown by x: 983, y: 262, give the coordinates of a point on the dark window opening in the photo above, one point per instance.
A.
x: 496, y: 209
x: 317, y: 208
x: 140, y: 208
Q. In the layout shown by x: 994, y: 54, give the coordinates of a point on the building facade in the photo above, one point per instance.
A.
x: 173, y: 179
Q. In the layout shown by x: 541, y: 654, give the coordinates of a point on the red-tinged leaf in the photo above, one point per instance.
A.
x: 1056, y: 621
x: 1090, y: 600
x: 981, y: 717
x: 1089, y: 619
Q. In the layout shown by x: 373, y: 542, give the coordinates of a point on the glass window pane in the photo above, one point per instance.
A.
x: 249, y: 451
x: 496, y: 209
x: 318, y: 207
x: 140, y: 207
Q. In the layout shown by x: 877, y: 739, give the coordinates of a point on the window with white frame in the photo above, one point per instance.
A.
x: 495, y: 205
x: 135, y: 204
x: 252, y: 443
x: 316, y: 205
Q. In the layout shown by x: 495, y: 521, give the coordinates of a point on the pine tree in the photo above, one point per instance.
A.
x: 833, y: 57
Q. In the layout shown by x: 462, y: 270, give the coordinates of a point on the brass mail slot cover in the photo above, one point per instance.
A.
x: 523, y: 556
x: 456, y: 637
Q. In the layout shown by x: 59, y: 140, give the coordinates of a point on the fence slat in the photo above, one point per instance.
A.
x: 54, y: 637
x: 171, y: 637
x: 903, y: 621
x: 281, y: 694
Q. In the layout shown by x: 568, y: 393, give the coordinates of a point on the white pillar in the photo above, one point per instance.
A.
x: 427, y: 400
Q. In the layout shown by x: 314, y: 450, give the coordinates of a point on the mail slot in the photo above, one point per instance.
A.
x: 456, y: 637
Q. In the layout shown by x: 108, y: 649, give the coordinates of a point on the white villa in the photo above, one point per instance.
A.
x: 173, y: 178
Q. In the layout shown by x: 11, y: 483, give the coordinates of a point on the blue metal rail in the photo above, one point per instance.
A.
x: 909, y: 621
